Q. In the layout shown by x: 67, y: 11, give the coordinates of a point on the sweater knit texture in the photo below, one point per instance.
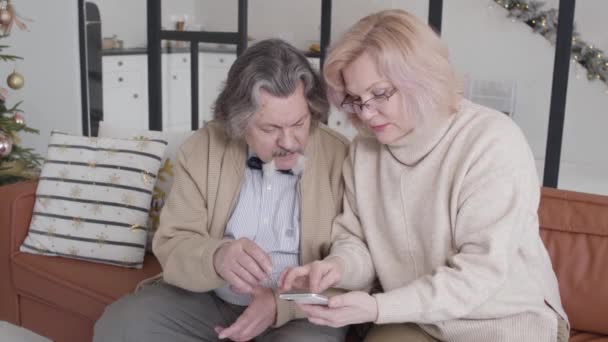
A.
x: 209, y: 173
x: 447, y: 218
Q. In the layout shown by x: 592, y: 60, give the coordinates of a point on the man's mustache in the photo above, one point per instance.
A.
x: 283, y: 152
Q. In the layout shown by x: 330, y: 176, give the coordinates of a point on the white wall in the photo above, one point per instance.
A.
x: 584, y: 160
x: 295, y: 20
x: 125, y: 19
x: 484, y: 44
x: 128, y: 19
x: 505, y: 50
x: 51, y: 69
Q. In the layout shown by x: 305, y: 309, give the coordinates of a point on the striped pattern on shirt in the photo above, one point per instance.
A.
x: 267, y: 212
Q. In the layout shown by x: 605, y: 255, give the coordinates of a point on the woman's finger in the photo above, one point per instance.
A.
x: 294, y: 273
x: 330, y: 279
x: 317, y: 273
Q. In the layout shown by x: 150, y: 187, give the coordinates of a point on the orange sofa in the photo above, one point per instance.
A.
x: 62, y: 298
x: 574, y: 228
x: 55, y: 297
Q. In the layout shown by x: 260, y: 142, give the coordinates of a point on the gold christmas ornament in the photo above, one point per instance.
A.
x: 15, y: 80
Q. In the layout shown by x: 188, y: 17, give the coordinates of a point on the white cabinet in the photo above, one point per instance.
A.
x: 125, y: 88
x: 176, y: 91
x: 315, y: 62
x: 214, y: 71
x: 337, y: 120
x: 125, y: 91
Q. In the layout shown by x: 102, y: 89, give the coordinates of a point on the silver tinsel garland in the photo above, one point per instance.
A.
x: 544, y: 22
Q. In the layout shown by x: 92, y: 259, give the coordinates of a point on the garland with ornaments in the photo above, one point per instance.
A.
x: 544, y: 22
x: 16, y: 163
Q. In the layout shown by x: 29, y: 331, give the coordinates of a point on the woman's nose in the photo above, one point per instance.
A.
x: 366, y: 113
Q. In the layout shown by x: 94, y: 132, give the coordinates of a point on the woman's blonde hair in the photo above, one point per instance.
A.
x: 407, y: 52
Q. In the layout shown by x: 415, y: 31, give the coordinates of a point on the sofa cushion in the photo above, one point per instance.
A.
x: 74, y: 285
x: 93, y: 199
x: 164, y: 181
x: 574, y: 228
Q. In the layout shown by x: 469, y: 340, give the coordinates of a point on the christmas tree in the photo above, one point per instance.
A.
x: 16, y: 163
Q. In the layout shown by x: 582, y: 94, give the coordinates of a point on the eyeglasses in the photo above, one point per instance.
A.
x: 353, y: 106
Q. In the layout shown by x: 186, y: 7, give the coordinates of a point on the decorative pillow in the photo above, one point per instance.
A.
x: 93, y: 198
x: 164, y: 182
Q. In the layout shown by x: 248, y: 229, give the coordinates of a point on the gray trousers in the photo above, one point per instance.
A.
x: 409, y: 332
x: 161, y: 312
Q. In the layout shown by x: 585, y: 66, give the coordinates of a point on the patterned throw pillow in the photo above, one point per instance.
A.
x: 93, y: 198
x: 164, y: 181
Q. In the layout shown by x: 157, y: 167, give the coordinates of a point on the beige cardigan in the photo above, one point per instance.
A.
x: 449, y: 215
x: 208, y: 178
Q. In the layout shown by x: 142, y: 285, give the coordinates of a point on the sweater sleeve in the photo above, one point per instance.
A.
x: 182, y: 243
x: 348, y: 239
x: 497, y: 204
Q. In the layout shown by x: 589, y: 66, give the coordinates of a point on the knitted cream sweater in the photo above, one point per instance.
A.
x: 447, y: 218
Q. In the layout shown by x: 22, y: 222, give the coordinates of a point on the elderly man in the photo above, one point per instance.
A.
x: 255, y: 192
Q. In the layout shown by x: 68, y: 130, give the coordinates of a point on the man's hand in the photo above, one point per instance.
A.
x: 259, y: 315
x: 350, y: 308
x: 243, y: 264
x: 317, y: 276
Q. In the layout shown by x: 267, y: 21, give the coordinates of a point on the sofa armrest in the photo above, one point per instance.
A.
x: 574, y: 228
x: 16, y: 204
x: 18, y: 200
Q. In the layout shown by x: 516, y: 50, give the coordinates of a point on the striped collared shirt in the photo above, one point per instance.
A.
x: 267, y: 212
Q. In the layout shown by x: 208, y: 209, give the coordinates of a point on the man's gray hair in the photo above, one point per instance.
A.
x: 277, y: 67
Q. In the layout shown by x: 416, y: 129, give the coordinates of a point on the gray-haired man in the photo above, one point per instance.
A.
x: 255, y: 192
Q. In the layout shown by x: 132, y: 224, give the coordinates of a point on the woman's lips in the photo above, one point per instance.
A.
x: 379, y: 128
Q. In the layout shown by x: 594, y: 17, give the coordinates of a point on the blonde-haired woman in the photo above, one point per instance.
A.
x: 440, y: 204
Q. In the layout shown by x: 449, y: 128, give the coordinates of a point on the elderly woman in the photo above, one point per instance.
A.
x: 440, y: 202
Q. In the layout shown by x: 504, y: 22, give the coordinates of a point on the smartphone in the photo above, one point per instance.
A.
x: 305, y: 298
